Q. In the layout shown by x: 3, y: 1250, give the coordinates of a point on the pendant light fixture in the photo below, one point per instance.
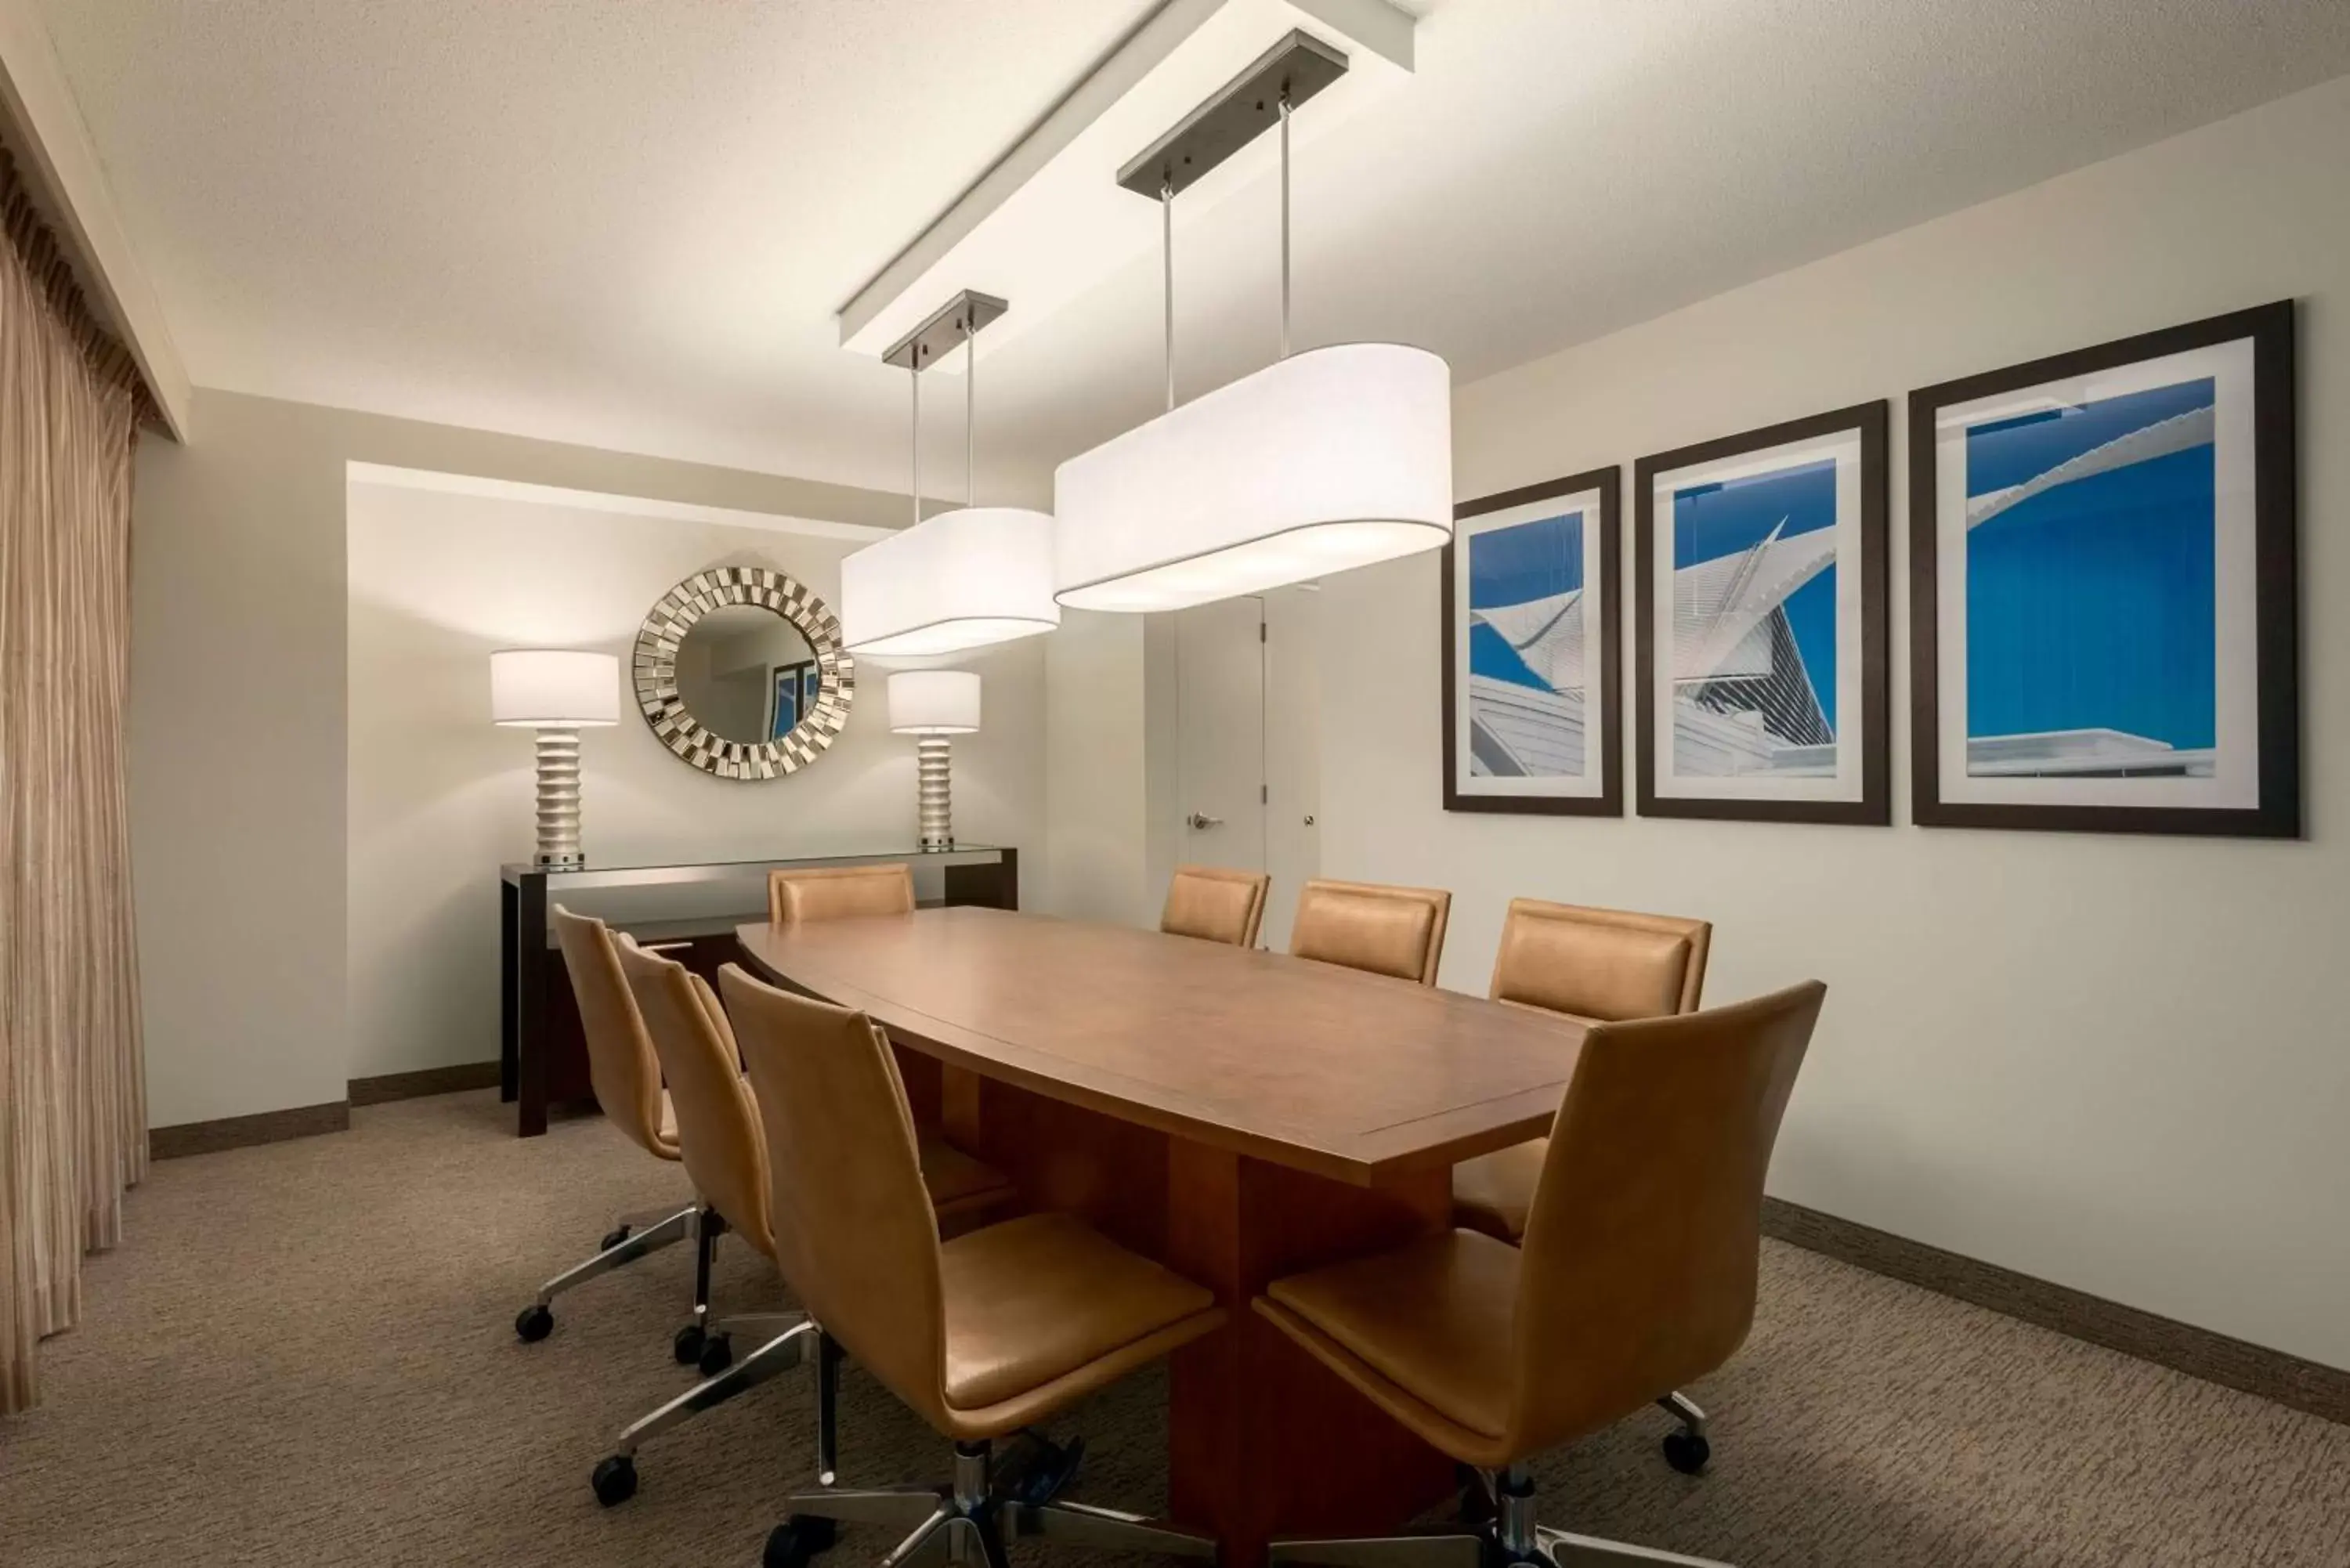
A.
x: 1323, y: 460
x: 964, y: 578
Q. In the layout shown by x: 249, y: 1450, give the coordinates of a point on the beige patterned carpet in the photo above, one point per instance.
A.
x: 304, y: 1354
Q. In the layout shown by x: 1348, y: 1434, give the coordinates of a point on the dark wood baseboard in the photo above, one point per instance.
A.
x: 2308, y: 1386
x: 424, y: 1081
x: 241, y: 1132
x: 304, y: 1121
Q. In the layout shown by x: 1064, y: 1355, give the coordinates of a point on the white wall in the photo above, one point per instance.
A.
x: 237, y: 744
x: 439, y: 796
x: 2119, y: 1063
x: 1096, y: 863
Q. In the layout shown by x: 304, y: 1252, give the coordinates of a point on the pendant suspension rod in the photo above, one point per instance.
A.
x: 970, y: 417
x: 1166, y: 252
x: 914, y: 375
x: 1284, y: 220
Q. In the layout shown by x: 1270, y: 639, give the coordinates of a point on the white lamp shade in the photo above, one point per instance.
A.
x: 959, y: 580
x: 1330, y: 459
x: 934, y: 702
x: 552, y: 688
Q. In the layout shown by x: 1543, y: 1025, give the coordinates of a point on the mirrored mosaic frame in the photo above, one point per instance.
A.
x: 655, y: 666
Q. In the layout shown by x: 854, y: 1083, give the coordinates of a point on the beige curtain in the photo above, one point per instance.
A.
x: 73, y: 1111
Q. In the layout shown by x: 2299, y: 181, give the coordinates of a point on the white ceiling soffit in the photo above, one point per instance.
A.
x: 1048, y: 220
x: 54, y: 152
x: 390, y: 477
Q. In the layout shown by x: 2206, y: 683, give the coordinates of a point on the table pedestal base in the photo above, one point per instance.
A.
x: 1263, y: 1440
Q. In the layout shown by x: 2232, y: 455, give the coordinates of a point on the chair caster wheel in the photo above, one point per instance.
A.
x: 1687, y: 1452
x: 612, y: 1239
x: 717, y: 1355
x: 534, y: 1323
x: 615, y: 1480
x: 687, y: 1345
x: 794, y: 1542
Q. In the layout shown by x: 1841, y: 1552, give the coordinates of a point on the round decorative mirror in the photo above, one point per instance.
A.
x: 739, y: 671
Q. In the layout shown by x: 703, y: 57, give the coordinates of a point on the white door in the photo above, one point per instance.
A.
x: 1292, y: 752
x: 1220, y: 728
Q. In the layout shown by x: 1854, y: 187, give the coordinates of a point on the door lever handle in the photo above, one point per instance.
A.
x: 1196, y: 820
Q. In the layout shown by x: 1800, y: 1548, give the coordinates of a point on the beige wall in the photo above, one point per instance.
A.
x: 439, y: 796
x: 2119, y: 1063
x: 238, y: 735
x: 1095, y: 858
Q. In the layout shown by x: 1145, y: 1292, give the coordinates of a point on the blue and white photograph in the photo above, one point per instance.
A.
x: 2096, y: 612
x: 1761, y: 580
x: 1529, y: 635
x: 790, y: 699
x: 2091, y: 636
x: 1754, y: 624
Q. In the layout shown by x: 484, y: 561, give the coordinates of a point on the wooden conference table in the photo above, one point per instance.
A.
x: 1236, y: 1114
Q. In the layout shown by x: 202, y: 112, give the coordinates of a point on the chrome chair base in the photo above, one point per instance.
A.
x: 968, y: 1522
x: 788, y: 1342
x: 1511, y: 1540
x: 637, y: 1236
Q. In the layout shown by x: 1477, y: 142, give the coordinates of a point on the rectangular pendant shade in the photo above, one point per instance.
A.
x: 1330, y: 459
x: 961, y: 580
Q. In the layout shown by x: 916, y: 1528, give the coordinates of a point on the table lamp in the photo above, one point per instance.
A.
x: 556, y: 692
x: 932, y: 704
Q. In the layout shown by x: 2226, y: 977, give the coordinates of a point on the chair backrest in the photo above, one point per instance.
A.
x: 1215, y: 905
x: 838, y: 893
x: 1638, y: 1270
x: 855, y: 1233
x: 621, y: 1066
x: 1606, y: 964
x: 718, y: 1131
x: 1362, y: 925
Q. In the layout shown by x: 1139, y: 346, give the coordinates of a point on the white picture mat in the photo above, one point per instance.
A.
x: 1571, y: 786
x: 1852, y: 737
x: 2235, y: 780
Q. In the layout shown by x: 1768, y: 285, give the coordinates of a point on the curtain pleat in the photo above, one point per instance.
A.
x: 73, y: 1114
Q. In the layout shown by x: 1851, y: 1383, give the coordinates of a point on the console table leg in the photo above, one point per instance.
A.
x: 530, y: 1005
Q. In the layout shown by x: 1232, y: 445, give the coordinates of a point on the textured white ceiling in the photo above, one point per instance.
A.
x: 629, y: 223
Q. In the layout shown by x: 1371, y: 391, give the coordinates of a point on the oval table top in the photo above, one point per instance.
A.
x: 1348, y: 1075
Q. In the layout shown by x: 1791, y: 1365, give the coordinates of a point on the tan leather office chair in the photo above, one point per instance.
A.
x: 980, y: 1336
x: 726, y: 1153
x: 1362, y: 925
x: 1638, y: 1273
x: 966, y: 1192
x: 1595, y: 966
x: 840, y: 892
x: 627, y: 1079
x: 1215, y: 905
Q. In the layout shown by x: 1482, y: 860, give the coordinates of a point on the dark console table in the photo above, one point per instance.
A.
x: 688, y: 911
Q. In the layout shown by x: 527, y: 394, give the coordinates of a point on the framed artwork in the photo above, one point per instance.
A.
x: 1759, y: 624
x: 794, y: 692
x: 1531, y: 636
x: 2103, y: 588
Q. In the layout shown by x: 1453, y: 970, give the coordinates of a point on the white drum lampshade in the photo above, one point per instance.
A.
x: 557, y: 693
x: 959, y: 580
x: 545, y: 686
x: 934, y: 702
x: 1327, y: 459
x: 931, y: 705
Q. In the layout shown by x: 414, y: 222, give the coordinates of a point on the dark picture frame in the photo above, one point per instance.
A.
x: 1609, y: 800
x: 1869, y: 423
x: 2274, y: 711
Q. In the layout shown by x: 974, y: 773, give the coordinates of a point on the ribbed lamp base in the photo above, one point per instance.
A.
x: 935, y: 794
x: 558, y: 799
